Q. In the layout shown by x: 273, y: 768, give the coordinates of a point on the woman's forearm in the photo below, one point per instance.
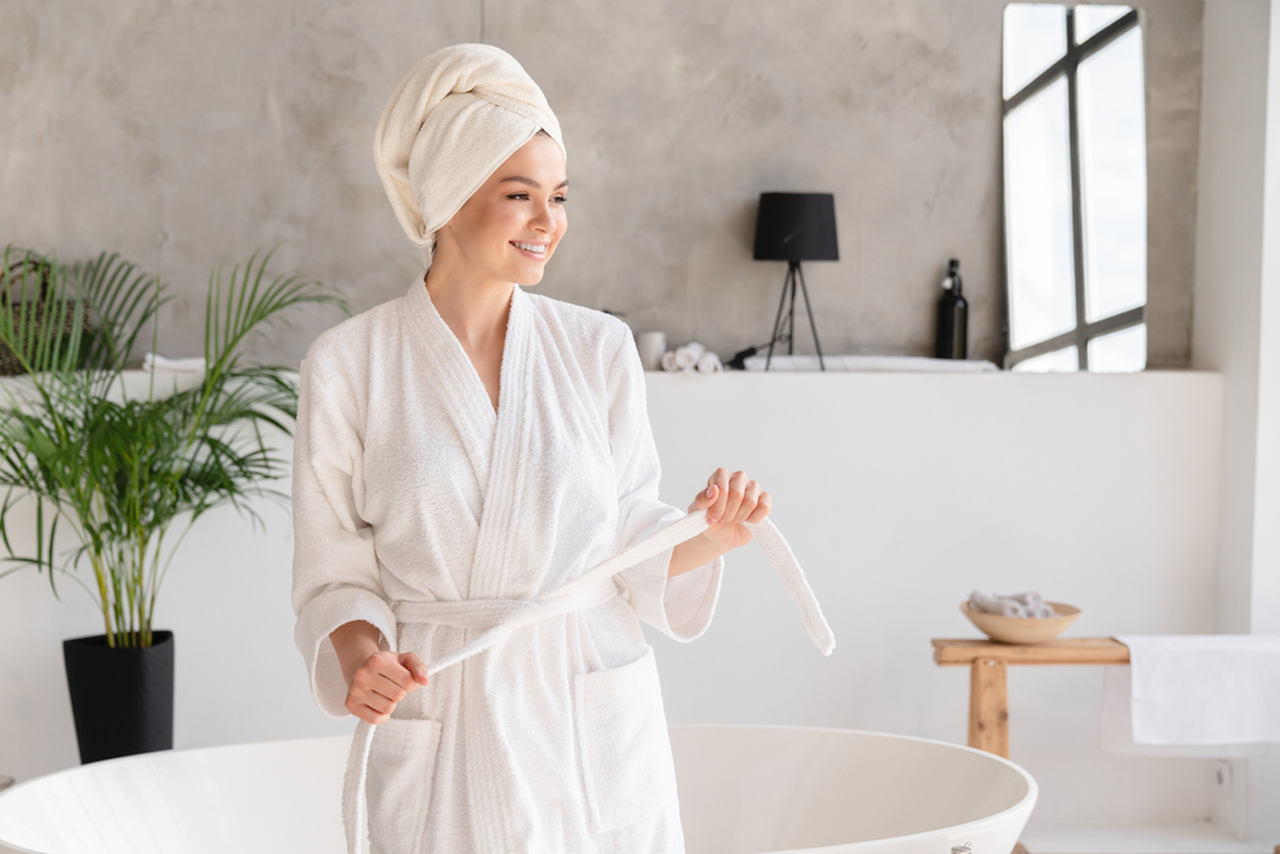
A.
x: 354, y: 642
x: 690, y: 555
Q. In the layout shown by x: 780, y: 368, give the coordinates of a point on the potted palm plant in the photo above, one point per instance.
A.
x: 124, y: 471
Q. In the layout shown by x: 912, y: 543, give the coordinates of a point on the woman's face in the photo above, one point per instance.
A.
x: 522, y: 203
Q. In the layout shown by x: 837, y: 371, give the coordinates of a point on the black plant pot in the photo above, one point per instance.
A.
x: 121, y: 697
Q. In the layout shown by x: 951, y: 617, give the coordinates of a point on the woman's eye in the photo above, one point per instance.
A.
x: 560, y: 199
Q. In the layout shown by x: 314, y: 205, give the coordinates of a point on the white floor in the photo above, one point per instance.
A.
x: 1193, y: 838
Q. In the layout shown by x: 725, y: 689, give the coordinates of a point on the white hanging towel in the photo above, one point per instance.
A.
x: 1193, y: 695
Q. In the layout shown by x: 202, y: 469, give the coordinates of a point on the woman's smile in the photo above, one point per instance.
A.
x: 521, y: 248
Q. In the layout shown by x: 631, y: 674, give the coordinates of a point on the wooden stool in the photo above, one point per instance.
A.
x: 988, y: 688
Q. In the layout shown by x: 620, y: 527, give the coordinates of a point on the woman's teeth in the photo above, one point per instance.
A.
x: 530, y: 247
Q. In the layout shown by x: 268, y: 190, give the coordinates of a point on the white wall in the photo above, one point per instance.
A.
x: 900, y: 494
x: 1236, y: 330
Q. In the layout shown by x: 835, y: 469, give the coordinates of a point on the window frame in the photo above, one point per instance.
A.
x: 1068, y: 66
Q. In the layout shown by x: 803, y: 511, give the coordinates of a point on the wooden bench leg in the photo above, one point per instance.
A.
x: 989, y: 706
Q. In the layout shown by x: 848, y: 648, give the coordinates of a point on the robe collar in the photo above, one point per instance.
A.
x: 492, y: 441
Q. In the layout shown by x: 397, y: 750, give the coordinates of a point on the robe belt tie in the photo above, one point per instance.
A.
x: 500, y: 617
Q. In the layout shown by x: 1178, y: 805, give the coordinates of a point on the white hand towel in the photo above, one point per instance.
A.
x: 708, y: 363
x: 687, y: 355
x: 1193, y: 695
x: 669, y: 361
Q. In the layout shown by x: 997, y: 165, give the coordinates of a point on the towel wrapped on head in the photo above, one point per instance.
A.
x: 451, y: 122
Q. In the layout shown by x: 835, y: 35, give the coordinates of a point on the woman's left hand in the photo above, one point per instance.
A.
x: 731, y: 500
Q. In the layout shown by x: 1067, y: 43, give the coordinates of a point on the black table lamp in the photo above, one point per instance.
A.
x: 795, y: 227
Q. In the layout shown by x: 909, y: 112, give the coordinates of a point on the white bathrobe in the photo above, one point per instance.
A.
x: 409, y: 488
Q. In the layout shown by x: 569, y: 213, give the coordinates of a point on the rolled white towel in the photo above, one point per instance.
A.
x: 709, y: 363
x: 1030, y: 598
x: 669, y: 361
x: 997, y: 605
x: 687, y: 355
x: 1027, y: 604
x: 190, y: 364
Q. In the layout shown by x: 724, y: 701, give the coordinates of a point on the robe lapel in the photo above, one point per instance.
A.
x: 505, y: 486
x: 491, y: 441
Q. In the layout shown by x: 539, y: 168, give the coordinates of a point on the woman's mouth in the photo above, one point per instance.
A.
x: 531, y: 250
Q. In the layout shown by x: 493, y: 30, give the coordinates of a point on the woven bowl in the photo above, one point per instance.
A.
x: 1022, y: 629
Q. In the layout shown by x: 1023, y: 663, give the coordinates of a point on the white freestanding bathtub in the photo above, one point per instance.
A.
x: 743, y: 790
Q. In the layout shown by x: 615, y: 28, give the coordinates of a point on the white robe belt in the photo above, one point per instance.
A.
x: 500, y: 617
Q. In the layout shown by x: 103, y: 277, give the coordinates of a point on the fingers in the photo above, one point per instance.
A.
x: 382, y: 682
x: 729, y: 493
x: 763, y: 505
x: 701, y: 500
x: 733, y: 498
x: 718, y: 487
x: 415, y: 666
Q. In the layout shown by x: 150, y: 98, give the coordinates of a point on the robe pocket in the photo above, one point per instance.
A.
x: 627, y: 768
x: 402, y: 767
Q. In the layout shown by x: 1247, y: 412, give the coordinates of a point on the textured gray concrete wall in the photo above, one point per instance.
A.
x: 183, y: 134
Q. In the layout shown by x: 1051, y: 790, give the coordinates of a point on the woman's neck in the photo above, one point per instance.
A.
x: 476, y: 313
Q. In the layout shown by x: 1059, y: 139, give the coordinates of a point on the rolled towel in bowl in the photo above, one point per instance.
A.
x: 687, y: 355
x: 1031, y: 599
x: 997, y: 605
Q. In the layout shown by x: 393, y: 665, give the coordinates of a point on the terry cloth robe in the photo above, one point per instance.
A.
x: 410, y: 491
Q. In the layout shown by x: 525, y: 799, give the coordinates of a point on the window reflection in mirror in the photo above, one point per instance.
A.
x: 1075, y: 188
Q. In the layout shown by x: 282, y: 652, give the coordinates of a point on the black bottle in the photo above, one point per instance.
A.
x: 953, y: 318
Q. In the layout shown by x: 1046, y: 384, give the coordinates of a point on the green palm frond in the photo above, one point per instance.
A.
x: 122, y: 472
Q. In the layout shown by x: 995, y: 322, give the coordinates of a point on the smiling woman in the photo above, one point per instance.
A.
x: 470, y: 450
x: 506, y: 231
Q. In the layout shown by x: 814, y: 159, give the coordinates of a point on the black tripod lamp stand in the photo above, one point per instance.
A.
x: 795, y: 227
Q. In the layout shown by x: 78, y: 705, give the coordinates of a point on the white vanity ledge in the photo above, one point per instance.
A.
x: 798, y: 386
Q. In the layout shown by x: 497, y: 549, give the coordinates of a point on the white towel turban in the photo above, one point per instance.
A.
x: 452, y: 121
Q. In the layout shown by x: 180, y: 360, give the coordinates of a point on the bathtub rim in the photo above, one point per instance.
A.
x: 1026, y: 802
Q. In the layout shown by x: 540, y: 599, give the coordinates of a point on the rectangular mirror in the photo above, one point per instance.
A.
x: 1075, y: 188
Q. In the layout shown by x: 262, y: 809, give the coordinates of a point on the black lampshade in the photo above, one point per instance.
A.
x: 796, y: 227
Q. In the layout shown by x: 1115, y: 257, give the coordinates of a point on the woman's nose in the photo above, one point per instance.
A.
x: 544, y: 218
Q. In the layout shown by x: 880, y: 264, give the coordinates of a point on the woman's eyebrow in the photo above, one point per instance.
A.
x: 531, y: 182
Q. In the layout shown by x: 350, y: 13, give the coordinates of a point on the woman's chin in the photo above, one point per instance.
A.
x: 529, y: 278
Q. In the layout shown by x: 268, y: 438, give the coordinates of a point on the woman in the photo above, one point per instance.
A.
x: 462, y: 450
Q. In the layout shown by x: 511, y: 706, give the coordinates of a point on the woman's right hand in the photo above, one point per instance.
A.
x: 377, y: 679
x: 381, y: 682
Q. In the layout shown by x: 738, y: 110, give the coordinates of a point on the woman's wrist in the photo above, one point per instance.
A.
x: 354, y: 642
x: 691, y: 554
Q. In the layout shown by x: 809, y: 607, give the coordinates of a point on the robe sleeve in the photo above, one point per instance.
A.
x: 680, y: 607
x: 335, y: 571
